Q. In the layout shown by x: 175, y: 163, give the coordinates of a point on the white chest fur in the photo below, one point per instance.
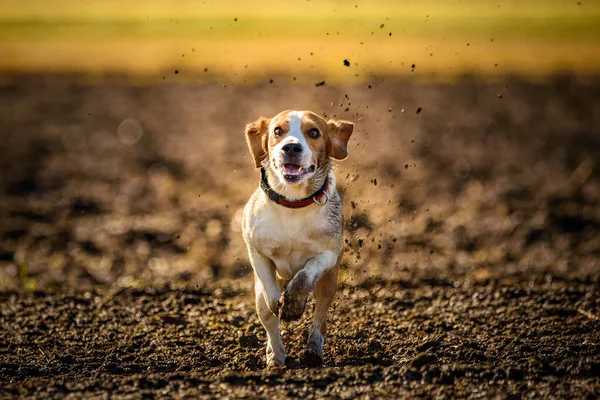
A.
x: 288, y: 237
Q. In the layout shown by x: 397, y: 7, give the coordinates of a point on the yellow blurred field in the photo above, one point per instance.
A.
x: 241, y: 41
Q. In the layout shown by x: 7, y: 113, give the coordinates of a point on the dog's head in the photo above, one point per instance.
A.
x: 297, y: 143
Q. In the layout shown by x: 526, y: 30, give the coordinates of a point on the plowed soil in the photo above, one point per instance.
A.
x: 472, y: 266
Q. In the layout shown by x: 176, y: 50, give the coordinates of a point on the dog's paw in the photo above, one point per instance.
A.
x: 292, y: 306
x: 313, y: 355
x: 311, y: 359
x: 275, y: 362
x: 292, y: 363
x: 293, y: 299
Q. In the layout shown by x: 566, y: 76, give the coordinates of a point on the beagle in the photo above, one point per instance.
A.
x: 292, y: 224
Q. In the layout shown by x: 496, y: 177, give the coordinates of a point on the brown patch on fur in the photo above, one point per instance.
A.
x: 279, y: 121
x: 257, y: 133
x: 339, y: 133
x: 318, y: 146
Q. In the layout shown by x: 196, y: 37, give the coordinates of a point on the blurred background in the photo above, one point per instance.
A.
x: 245, y: 41
x: 123, y: 160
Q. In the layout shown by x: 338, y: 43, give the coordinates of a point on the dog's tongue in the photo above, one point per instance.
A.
x: 292, y: 169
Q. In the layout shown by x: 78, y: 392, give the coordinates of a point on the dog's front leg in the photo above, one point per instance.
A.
x: 267, y: 295
x: 293, y: 299
x: 319, y: 273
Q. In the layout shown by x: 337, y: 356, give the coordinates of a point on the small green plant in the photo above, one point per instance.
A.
x: 26, y: 282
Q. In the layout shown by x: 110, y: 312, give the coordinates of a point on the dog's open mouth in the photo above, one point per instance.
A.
x: 294, y: 172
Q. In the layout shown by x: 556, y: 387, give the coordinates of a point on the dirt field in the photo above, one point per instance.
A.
x: 472, y: 264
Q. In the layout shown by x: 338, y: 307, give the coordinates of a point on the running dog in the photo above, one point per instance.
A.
x: 292, y: 223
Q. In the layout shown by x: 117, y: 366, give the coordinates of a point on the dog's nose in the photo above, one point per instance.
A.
x: 292, y: 148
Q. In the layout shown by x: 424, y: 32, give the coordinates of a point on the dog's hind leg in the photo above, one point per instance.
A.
x: 275, y: 348
x: 324, y: 294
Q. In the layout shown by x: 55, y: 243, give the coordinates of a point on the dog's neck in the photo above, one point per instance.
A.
x: 300, y: 190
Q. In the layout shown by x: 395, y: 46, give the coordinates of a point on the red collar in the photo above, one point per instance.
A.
x: 282, y: 201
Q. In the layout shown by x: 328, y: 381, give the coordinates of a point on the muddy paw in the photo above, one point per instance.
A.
x: 293, y: 299
x: 292, y: 306
x: 312, y: 359
x: 292, y: 363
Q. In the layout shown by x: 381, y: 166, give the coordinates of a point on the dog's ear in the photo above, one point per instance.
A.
x: 338, y: 134
x: 257, y: 134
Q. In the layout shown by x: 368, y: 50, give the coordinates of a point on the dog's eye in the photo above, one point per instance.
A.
x: 278, y: 131
x: 314, y: 133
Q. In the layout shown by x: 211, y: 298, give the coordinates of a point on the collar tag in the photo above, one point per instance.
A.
x: 323, y: 202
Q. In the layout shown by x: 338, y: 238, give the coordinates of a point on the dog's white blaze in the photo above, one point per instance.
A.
x: 295, y: 135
